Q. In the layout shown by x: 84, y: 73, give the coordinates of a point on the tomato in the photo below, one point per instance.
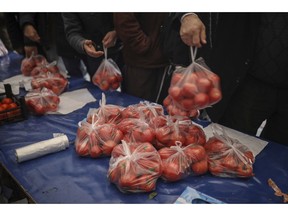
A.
x: 112, y: 79
x: 215, y: 79
x: 176, y: 77
x: 200, y: 167
x: 245, y: 171
x: 204, y: 85
x: 152, y: 166
x: 108, y: 147
x: 215, y: 95
x: 187, y: 104
x: 250, y: 156
x: 117, y: 151
x: 39, y: 109
x: 4, y: 106
x: 7, y: 100
x: 195, y: 152
x: 127, y: 180
x: 214, y: 145
x: 95, y: 151
x: 171, y: 171
x: 113, y: 175
x: 230, y: 162
x: 146, y: 147
x: 175, y: 92
x: 189, y: 90
x: 201, y: 100
x: 81, y: 148
x: 165, y: 152
x: 215, y: 168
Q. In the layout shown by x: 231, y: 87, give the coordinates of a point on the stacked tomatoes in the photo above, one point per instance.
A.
x: 8, y: 109
x: 183, y: 131
x: 54, y: 81
x: 108, y: 75
x: 97, y: 140
x: 41, y: 101
x: 28, y: 64
x: 180, y: 161
x: 99, y: 134
x: 191, y: 89
x: 228, y: 157
x: 134, y: 167
x: 106, y: 113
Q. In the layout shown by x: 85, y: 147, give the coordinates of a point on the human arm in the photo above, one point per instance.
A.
x: 192, y: 30
x: 75, y: 35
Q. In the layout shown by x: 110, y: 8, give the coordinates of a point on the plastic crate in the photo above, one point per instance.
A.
x: 16, y: 114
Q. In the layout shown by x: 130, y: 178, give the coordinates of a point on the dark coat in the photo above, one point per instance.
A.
x: 90, y: 26
x: 233, y: 38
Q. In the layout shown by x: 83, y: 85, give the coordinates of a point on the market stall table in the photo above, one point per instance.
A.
x: 64, y: 177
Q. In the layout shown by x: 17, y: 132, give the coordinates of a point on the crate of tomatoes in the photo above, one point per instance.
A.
x: 12, y: 109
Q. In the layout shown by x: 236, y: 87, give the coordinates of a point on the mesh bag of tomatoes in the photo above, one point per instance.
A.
x: 97, y: 140
x: 28, y: 64
x: 41, y: 101
x: 194, y: 87
x: 106, y: 113
x: 108, y: 75
x: 134, y: 167
x: 179, y: 161
x: 183, y: 131
x: 45, y: 68
x: 227, y: 156
x: 54, y: 81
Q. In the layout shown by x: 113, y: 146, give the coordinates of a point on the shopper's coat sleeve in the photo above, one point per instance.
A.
x: 73, y: 31
x: 129, y: 31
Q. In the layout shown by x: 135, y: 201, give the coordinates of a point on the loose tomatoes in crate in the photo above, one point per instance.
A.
x: 12, y: 109
x: 41, y: 101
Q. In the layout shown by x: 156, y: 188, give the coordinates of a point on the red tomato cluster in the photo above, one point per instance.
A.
x: 97, y: 140
x: 54, y: 81
x: 28, y: 64
x: 107, y: 81
x: 174, y: 110
x: 45, y: 68
x: 192, y: 89
x: 134, y: 167
x: 179, y: 162
x: 136, y: 130
x: 108, y: 76
x: 180, y: 131
x: 228, y: 161
x: 9, y: 108
x: 41, y: 101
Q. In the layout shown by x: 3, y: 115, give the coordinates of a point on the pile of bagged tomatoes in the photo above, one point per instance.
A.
x: 144, y: 145
x: 47, y: 84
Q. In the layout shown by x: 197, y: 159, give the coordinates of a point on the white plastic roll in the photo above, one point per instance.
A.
x: 42, y: 148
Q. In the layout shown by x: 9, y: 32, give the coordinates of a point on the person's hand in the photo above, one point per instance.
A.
x: 31, y: 33
x: 90, y: 49
x: 29, y: 50
x: 193, y: 31
x: 110, y: 39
